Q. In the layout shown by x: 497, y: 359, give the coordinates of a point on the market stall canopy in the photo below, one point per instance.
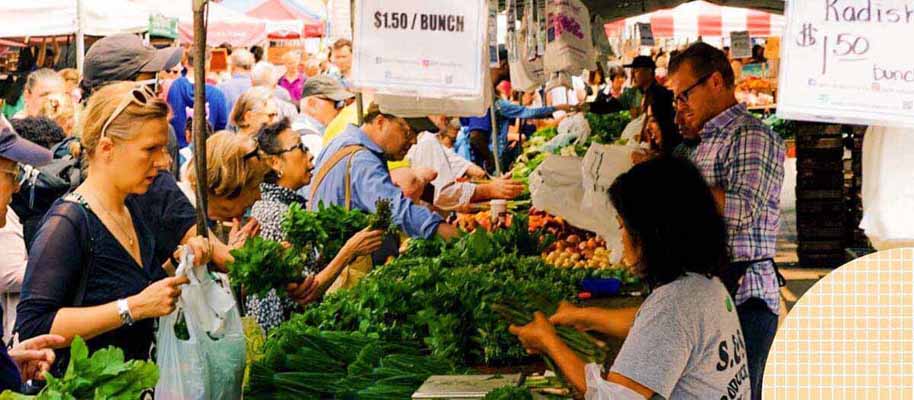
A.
x: 59, y: 17
x: 705, y: 19
x: 225, y: 25
x: 613, y: 10
x: 283, y: 14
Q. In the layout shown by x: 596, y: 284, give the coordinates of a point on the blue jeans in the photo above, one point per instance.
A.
x: 759, y: 325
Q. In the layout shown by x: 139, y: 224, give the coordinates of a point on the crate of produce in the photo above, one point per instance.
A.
x: 822, y: 260
x: 820, y: 246
x: 818, y: 164
x: 818, y: 207
x: 818, y: 129
x: 823, y: 181
x: 820, y: 194
x: 819, y: 142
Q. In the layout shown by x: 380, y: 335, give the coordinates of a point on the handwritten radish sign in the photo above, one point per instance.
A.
x: 844, y: 61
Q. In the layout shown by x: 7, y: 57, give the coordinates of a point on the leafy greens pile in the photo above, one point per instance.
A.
x: 315, y: 237
x: 606, y: 129
x: 105, y: 375
x: 301, y: 362
x: 440, y: 295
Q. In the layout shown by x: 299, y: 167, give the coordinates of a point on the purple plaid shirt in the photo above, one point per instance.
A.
x: 744, y: 157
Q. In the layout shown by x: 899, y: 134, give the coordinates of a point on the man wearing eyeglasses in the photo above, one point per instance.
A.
x: 743, y: 162
x: 352, y: 171
x: 322, y: 98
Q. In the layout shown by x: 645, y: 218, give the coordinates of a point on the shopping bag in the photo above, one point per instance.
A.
x: 352, y: 274
x: 201, y: 345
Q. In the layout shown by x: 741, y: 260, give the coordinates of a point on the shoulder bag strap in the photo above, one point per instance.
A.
x: 328, y: 166
x: 87, y: 248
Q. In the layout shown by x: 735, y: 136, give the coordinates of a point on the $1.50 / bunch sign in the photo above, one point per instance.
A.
x: 420, y: 47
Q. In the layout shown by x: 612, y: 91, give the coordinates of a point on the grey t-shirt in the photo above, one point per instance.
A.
x: 686, y: 343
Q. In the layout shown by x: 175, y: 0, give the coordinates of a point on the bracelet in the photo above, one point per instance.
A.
x: 123, y: 309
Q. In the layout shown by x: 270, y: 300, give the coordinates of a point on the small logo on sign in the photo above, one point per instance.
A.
x: 876, y: 87
x: 907, y: 105
x: 812, y: 82
x: 425, y: 63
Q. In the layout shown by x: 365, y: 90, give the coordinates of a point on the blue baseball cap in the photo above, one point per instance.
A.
x: 14, y: 147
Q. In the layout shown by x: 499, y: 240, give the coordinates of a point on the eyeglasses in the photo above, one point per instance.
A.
x: 300, y: 146
x: 140, y: 96
x: 336, y: 104
x: 684, y: 96
x: 17, y: 173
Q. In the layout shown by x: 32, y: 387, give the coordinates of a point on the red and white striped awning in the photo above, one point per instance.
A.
x: 700, y: 18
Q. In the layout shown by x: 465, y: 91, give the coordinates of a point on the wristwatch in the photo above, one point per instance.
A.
x: 124, y: 310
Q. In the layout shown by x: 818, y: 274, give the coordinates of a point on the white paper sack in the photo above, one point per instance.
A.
x: 527, y: 71
x: 556, y: 187
x: 888, y: 187
x: 571, y: 47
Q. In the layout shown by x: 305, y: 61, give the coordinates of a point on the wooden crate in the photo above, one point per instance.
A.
x: 819, y: 207
x: 822, y: 260
x: 819, y: 194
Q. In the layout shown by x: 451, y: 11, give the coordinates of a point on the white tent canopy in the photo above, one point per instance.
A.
x: 59, y: 17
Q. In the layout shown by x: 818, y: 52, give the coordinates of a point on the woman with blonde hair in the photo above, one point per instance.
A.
x: 92, y: 269
x: 234, y: 172
x: 254, y: 109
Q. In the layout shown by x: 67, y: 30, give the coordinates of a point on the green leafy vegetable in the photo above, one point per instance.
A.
x: 261, y: 265
x: 509, y: 393
x: 104, y: 375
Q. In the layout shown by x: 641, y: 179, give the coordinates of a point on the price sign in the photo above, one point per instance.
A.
x: 417, y: 47
x: 844, y: 61
x: 646, y: 34
x: 740, y: 45
x: 773, y: 48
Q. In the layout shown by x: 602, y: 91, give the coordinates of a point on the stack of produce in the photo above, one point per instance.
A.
x: 105, y: 375
x: 440, y: 295
x: 301, y: 362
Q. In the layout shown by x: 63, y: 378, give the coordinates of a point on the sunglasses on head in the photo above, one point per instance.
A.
x: 140, y: 96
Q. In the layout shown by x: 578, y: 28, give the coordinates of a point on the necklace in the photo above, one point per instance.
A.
x: 117, y: 222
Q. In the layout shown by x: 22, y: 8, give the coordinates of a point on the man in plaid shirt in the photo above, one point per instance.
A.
x: 743, y: 162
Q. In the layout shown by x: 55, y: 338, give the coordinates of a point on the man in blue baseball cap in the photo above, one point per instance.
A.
x: 31, y: 358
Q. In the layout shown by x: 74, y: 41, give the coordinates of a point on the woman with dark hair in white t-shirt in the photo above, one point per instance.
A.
x: 684, y: 342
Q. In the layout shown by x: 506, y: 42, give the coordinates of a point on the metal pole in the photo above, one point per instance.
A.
x: 80, y: 37
x: 200, y: 115
x: 359, y: 103
x: 495, y: 138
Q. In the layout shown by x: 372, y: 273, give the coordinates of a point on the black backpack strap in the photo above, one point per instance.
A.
x: 87, y: 247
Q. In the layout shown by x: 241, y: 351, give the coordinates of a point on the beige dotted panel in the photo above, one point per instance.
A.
x: 850, y: 336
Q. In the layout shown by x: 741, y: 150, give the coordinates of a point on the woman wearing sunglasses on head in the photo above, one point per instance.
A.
x: 290, y: 170
x: 684, y: 342
x: 254, y: 109
x: 234, y: 173
x: 91, y: 270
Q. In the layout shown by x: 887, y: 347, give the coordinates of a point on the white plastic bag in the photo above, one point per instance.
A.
x: 601, y: 389
x: 210, y: 364
x: 888, y: 187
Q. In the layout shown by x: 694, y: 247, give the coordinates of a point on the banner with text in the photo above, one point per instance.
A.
x: 420, y: 47
x: 844, y: 61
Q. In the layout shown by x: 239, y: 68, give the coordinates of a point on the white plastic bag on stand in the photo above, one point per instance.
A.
x: 209, y: 363
x: 570, y: 44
